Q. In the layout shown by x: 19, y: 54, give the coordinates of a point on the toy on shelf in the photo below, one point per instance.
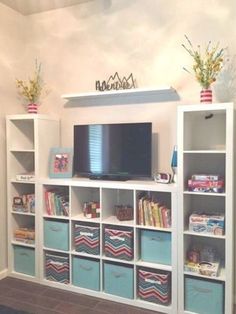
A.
x: 206, y: 183
x: 208, y: 224
x: 203, y: 260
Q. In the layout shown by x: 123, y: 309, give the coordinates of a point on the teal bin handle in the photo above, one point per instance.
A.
x: 87, y: 268
x: 202, y: 290
x: 55, y: 229
x: 117, y: 275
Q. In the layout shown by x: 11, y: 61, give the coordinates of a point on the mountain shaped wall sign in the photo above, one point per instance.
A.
x: 116, y: 83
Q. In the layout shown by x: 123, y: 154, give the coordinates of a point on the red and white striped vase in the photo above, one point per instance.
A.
x: 32, y: 108
x: 206, y: 96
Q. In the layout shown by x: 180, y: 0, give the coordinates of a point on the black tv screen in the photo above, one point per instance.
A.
x: 113, y: 151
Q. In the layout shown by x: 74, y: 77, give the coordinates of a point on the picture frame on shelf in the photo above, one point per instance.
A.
x: 61, y: 162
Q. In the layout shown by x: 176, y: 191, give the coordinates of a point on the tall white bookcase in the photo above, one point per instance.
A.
x: 29, y: 139
x: 206, y: 146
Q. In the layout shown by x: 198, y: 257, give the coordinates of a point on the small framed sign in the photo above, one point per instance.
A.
x: 61, y: 162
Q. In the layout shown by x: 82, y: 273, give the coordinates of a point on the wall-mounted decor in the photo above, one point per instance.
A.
x: 116, y: 83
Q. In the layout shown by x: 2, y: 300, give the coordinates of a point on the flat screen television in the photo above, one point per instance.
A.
x: 113, y: 151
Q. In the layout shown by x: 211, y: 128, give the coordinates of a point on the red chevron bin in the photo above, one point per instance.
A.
x: 118, y: 243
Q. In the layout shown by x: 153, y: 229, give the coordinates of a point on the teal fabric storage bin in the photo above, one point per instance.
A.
x: 56, y: 235
x: 156, y: 247
x: 24, y: 260
x: 86, y: 273
x: 119, y: 280
x: 204, y: 296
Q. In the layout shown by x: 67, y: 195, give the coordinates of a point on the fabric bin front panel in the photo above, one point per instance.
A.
x: 119, y: 243
x: 24, y: 260
x: 204, y: 296
x: 57, y: 268
x: 86, y: 273
x: 56, y: 235
x: 119, y: 280
x: 154, y: 286
x: 156, y: 247
x: 86, y: 239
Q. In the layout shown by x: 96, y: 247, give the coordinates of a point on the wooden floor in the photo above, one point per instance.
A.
x: 40, y: 299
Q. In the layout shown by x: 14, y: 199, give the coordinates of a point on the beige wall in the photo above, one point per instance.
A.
x: 81, y: 44
x: 12, y: 43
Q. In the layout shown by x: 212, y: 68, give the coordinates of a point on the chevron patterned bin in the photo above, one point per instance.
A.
x: 86, y: 239
x: 154, y: 286
x: 57, y: 268
x: 119, y: 243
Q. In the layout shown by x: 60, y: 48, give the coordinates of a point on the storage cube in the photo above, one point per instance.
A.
x: 56, y: 234
x: 156, y: 247
x: 86, y: 273
x: 204, y: 296
x: 119, y: 243
x: 86, y: 239
x: 154, y: 286
x: 119, y: 280
x: 57, y: 268
x: 24, y: 260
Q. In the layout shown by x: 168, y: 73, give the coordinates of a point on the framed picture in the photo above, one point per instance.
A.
x: 60, y: 162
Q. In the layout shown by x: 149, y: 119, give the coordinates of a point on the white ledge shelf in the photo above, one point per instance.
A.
x: 135, y: 95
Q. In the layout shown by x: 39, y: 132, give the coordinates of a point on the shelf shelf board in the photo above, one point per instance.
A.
x: 154, y: 228
x: 165, y: 93
x: 154, y: 265
x: 55, y: 250
x: 75, y: 253
x: 205, y: 193
x: 117, y: 260
x: 81, y: 217
x: 221, y: 277
x: 22, y: 150
x: 206, y: 235
x: 210, y: 151
x: 56, y: 217
x: 22, y: 213
x: 22, y: 181
x: 114, y: 221
x: 14, y: 242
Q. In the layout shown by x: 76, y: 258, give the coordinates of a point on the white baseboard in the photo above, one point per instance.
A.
x: 3, y: 273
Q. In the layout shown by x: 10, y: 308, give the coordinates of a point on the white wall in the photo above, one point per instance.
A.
x: 81, y: 44
x: 12, y: 43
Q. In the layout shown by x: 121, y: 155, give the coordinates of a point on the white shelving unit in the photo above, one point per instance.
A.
x: 206, y: 146
x: 135, y: 95
x: 108, y: 194
x: 29, y: 138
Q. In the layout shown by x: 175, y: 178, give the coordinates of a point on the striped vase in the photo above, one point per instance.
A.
x: 206, y: 96
x: 32, y: 108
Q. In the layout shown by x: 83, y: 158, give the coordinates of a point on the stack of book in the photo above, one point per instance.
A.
x: 152, y: 213
x: 24, y: 203
x: 57, y: 203
x: 25, y: 235
x: 206, y: 183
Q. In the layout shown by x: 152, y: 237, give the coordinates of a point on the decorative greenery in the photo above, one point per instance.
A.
x: 207, y: 64
x: 32, y: 89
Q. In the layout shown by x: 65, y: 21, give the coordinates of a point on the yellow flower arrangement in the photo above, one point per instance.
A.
x: 207, y: 64
x: 32, y: 89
